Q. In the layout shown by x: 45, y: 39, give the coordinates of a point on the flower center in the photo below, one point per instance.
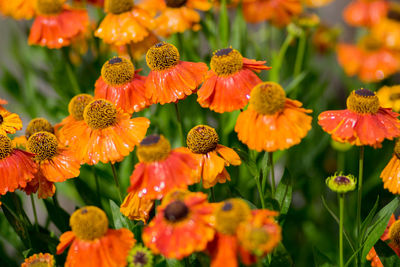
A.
x: 162, y: 56
x: 118, y: 6
x: 369, y: 43
x: 202, y: 139
x: 77, y: 105
x: 100, y: 114
x: 175, y: 3
x: 267, y: 98
x: 153, y: 148
x: 49, y: 7
x: 394, y: 233
x: 342, y: 180
x: 394, y: 15
x: 38, y: 125
x: 363, y: 101
x: 230, y: 214
x: 255, y: 237
x: 5, y: 146
x: 39, y: 263
x: 226, y: 61
x: 140, y: 258
x: 394, y: 96
x: 176, y: 211
x: 89, y: 223
x: 118, y: 71
x: 43, y: 144
x: 1, y: 119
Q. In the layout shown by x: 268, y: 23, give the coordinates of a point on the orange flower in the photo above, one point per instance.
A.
x: 75, y: 108
x: 392, y: 235
x: 57, y: 25
x: 388, y: 28
x: 365, y: 12
x: 176, y: 15
x: 138, y: 49
x: 105, y: 134
x: 364, y: 122
x: 124, y: 23
x: 136, y: 208
x: 92, y: 243
x: 120, y: 84
x: 161, y: 169
x: 183, y: 225
x: 39, y: 260
x: 272, y: 121
x: 212, y: 157
x: 9, y: 122
x: 17, y: 167
x: 278, y: 12
x: 317, y: 3
x: 391, y: 173
x: 228, y: 84
x: 34, y: 126
x: 56, y: 164
x: 325, y: 38
x: 171, y: 79
x: 369, y: 60
x: 18, y: 9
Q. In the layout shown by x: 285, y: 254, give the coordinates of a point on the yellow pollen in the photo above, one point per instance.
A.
x: 43, y: 144
x: 153, y: 148
x: 162, y: 56
x: 202, y: 139
x: 363, y: 101
x: 118, y: 71
x: 49, y: 7
x: 394, y: 233
x: 267, y: 98
x: 397, y: 148
x: 100, y: 114
x: 89, y: 223
x: 5, y: 146
x: 77, y: 105
x: 225, y: 62
x: 118, y: 6
x: 230, y: 214
x: 38, y: 125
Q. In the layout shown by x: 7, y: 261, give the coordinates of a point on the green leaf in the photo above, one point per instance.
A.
x: 251, y: 164
x: 320, y: 259
x: 174, y: 263
x: 375, y: 231
x: 367, y: 222
x: 57, y: 215
x: 284, y: 192
x: 281, y: 257
x: 223, y: 26
x: 272, y: 204
x: 86, y: 193
x: 119, y: 220
x: 26, y: 253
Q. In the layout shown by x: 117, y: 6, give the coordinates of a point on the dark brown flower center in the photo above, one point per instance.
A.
x: 342, y: 180
x: 175, y: 3
x: 202, y: 139
x: 394, y: 15
x: 1, y: 119
x: 140, y: 259
x: 176, y: 211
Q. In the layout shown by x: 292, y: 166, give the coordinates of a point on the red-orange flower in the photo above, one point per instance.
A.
x: 228, y: 84
x: 39, y: 260
x: 161, y: 169
x: 183, y: 225
x: 18, y: 9
x: 176, y: 16
x: 212, y: 157
x: 124, y: 23
x: 105, y: 134
x: 9, y: 122
x: 392, y: 236
x: 92, y: 243
x: 55, y: 164
x: 17, y: 167
x: 57, y: 25
x: 365, y: 12
x: 136, y: 208
x: 120, y: 84
x: 391, y: 174
x: 369, y: 60
x: 272, y: 121
x: 278, y: 12
x: 364, y: 122
x: 171, y: 79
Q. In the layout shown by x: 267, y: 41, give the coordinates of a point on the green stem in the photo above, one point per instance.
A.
x: 212, y: 194
x: 299, y: 58
x: 260, y: 192
x: 341, y: 161
x: 180, y: 126
x: 276, y: 67
x: 271, y: 166
x: 341, y: 212
x: 34, y: 212
x: 116, y: 181
x: 359, y: 197
x: 70, y: 72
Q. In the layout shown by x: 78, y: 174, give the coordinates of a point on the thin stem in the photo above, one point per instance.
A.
x: 128, y: 50
x: 116, y: 181
x: 271, y: 166
x: 180, y: 126
x: 278, y: 63
x: 341, y: 161
x: 34, y: 212
x: 359, y: 197
x: 341, y: 218
x: 212, y: 194
x: 260, y: 192
x: 299, y: 58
